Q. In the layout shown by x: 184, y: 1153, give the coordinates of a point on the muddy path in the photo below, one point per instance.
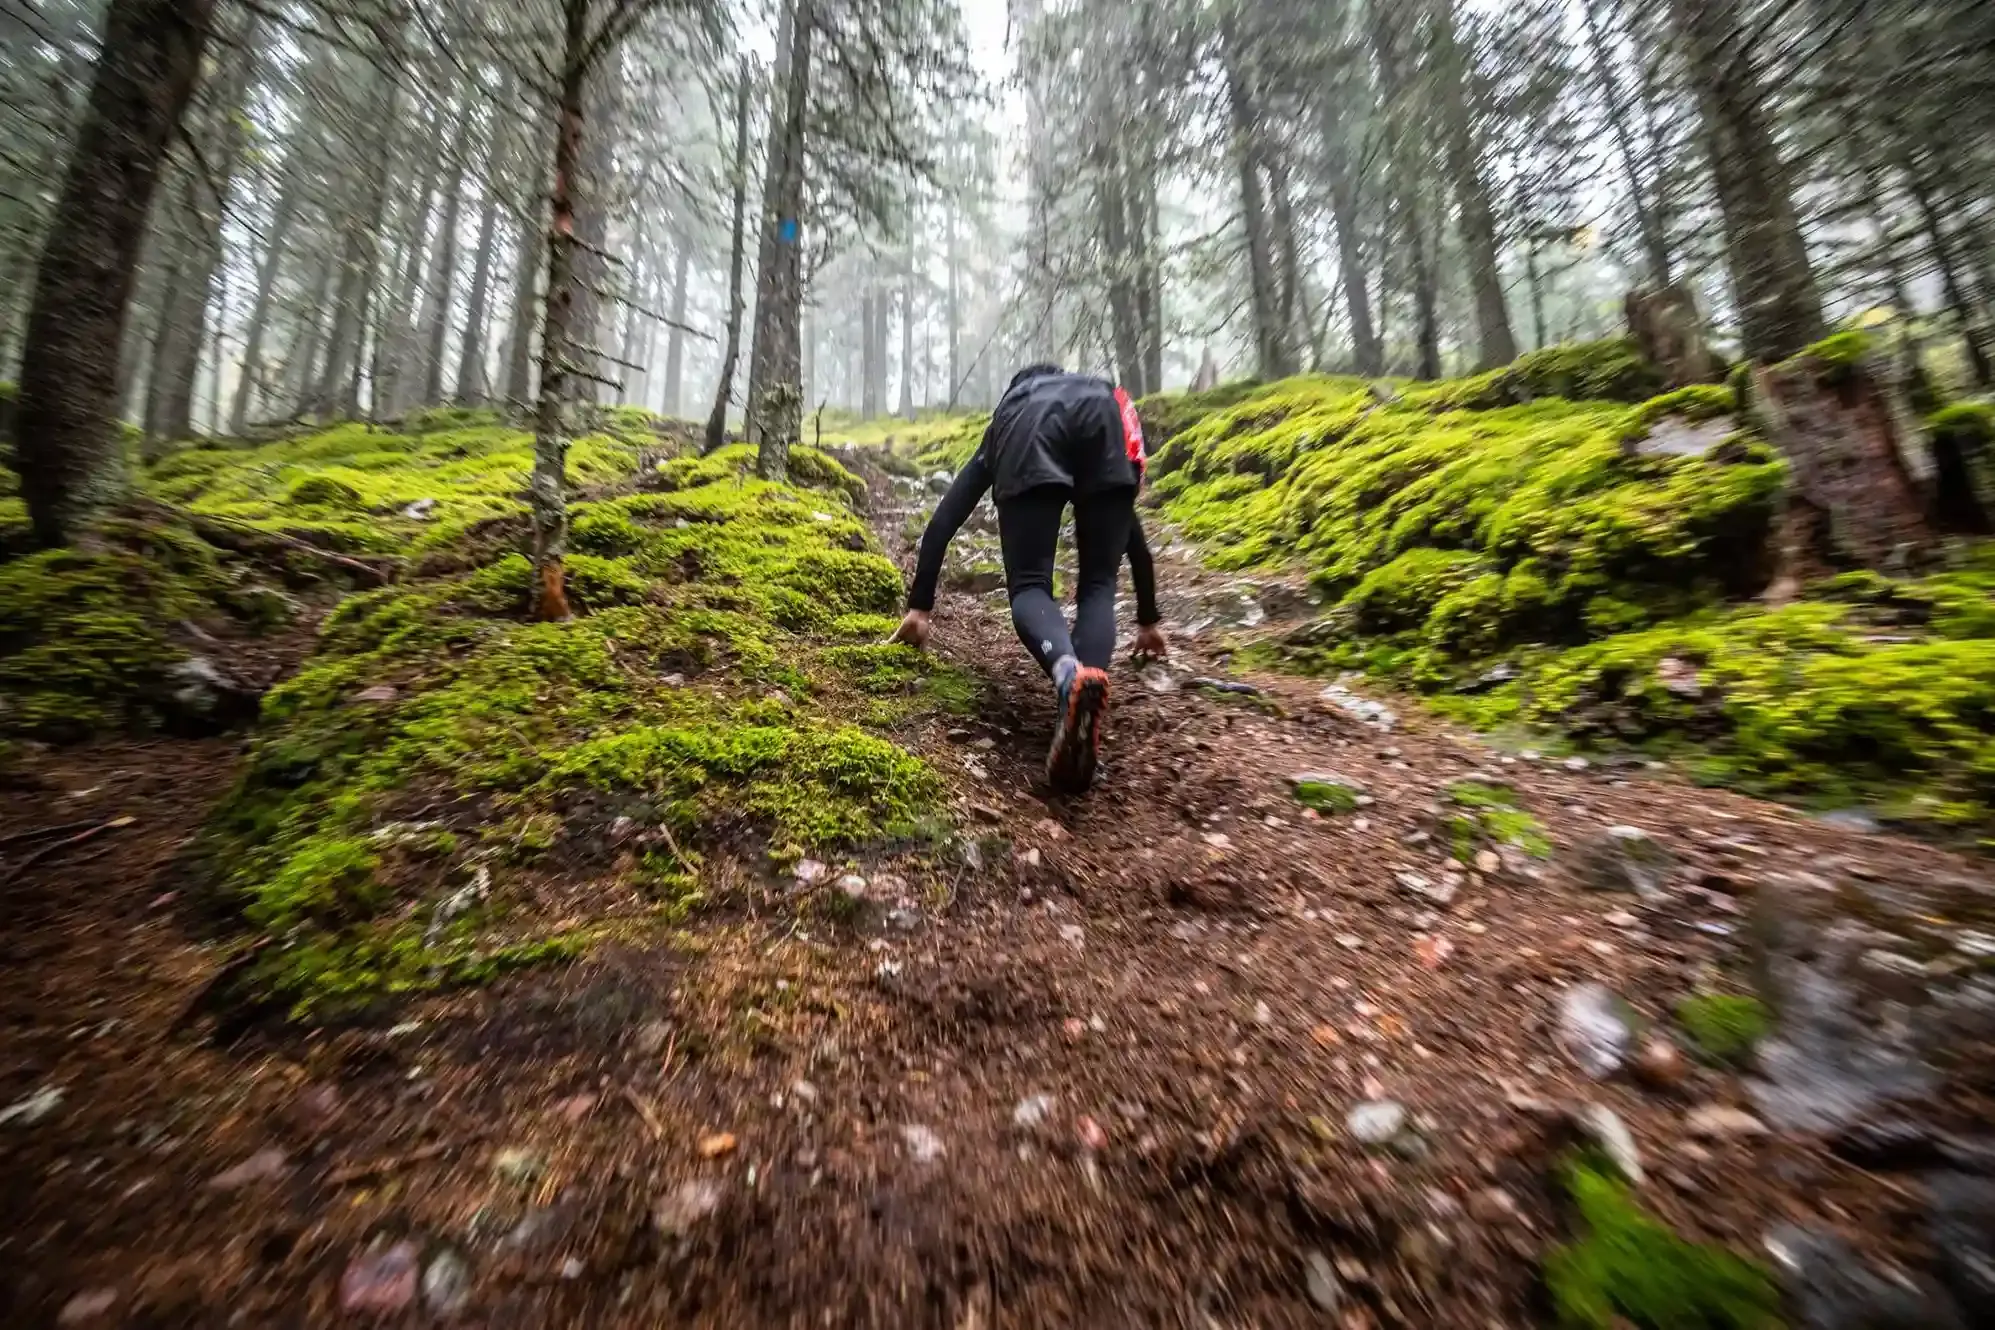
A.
x: 1180, y: 1053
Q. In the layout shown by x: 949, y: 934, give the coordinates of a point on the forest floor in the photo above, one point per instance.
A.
x: 1105, y: 1079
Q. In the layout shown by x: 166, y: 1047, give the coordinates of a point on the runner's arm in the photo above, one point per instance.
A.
x: 954, y: 510
x: 1143, y: 572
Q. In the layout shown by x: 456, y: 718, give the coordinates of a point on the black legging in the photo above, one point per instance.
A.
x: 1029, y: 529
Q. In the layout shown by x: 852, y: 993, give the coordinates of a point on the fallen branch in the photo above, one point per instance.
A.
x: 349, y: 1173
x: 245, y: 538
x: 79, y: 838
x: 43, y: 833
x: 644, y: 1110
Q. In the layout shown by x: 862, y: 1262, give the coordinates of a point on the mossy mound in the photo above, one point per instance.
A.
x: 1451, y: 531
x: 89, y: 639
x: 1724, y: 1028
x: 1483, y: 814
x: 424, y: 795
x: 1626, y: 1269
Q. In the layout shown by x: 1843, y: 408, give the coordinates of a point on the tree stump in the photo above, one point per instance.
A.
x: 1208, y: 374
x: 1670, y: 333
x: 1859, y: 468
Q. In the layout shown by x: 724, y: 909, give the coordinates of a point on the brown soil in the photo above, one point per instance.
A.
x: 1204, y: 979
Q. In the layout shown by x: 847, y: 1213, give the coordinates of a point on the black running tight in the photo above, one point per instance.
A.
x: 1029, y: 529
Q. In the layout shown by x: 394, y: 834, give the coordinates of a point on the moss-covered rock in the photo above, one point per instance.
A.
x: 1624, y: 1268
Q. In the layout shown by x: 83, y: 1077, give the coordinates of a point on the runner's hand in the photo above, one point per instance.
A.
x: 1150, y: 643
x: 914, y: 630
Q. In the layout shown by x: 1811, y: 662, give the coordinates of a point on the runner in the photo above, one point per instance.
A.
x: 1056, y: 439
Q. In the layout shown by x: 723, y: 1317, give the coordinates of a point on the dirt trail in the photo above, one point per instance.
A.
x: 1092, y: 1069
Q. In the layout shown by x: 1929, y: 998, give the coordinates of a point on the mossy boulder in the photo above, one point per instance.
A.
x: 1724, y: 1028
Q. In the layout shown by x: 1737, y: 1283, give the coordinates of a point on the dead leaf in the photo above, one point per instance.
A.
x: 716, y: 1145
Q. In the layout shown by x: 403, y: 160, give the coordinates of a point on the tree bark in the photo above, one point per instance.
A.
x: 526, y: 279
x: 443, y: 276
x: 717, y: 419
x: 907, y: 329
x: 547, y: 490
x: 869, y: 357
x: 68, y: 449
x: 775, y: 366
x: 1780, y: 308
x: 1367, y: 352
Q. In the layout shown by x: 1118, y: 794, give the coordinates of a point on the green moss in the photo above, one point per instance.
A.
x: 1490, y: 815
x: 1626, y: 1269
x: 1326, y: 796
x: 1723, y: 1027
x: 678, y: 697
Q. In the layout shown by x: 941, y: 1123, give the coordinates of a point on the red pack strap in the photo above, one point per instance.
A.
x: 1132, y: 430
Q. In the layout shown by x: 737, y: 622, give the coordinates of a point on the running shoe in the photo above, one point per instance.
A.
x: 1077, y: 738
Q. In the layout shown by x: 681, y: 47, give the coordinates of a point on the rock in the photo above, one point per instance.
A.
x: 1960, y: 1226
x: 803, y: 1092
x: 1892, y: 1145
x: 1625, y: 859
x: 1031, y: 1111
x: 1660, y: 1064
x: 1829, y: 1287
x: 1487, y: 862
x: 852, y: 887
x: 1679, y: 677
x: 1851, y: 819
x: 1158, y: 680
x: 1218, y: 840
x: 206, y: 696
x: 1621, y: 919
x: 1441, y: 894
x: 446, y: 1284
x: 1350, y: 941
x: 923, y: 1145
x: 31, y: 1110
x: 420, y: 510
x: 903, y: 919
x: 1576, y: 764
x: 1722, y: 1122
x: 650, y: 1038
x: 1433, y: 952
x: 380, y: 692
x: 939, y: 481
x: 675, y: 1213
x: 88, y: 1306
x: 1362, y: 709
x: 1603, y: 1126
x: 381, y: 1282
x: 809, y: 871
x: 1596, y: 1029
x: 1073, y: 934
x: 1320, y: 1278
x: 1376, y: 1122
x: 263, y: 1166
x: 1092, y: 1135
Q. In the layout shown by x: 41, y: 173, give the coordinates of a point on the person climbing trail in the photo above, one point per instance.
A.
x: 1056, y: 439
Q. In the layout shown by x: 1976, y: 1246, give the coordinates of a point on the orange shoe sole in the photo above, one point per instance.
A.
x: 1070, y: 765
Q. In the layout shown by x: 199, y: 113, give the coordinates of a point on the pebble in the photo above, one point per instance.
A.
x: 516, y: 1165
x: 1350, y: 941
x: 1031, y: 1111
x: 804, y: 1091
x: 1321, y: 1279
x: 1376, y: 1122
x: 1576, y: 764
x: 27, y: 1112
x: 262, y: 1166
x: 1073, y: 933
x: 1218, y: 840
x: 852, y: 887
x: 1606, y: 1129
x: 1660, y: 1064
x: 1488, y: 862
x: 1622, y: 919
x: 1029, y: 856
x: 675, y: 1213
x: 1720, y: 1122
x: 87, y: 1306
x: 923, y: 1145
x: 1441, y: 894
x: 808, y: 871
x: 381, y: 1282
x: 446, y: 1284
x: 1092, y: 1135
x: 1595, y: 1029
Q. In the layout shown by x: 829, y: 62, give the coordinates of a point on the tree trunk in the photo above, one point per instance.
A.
x: 547, y: 490
x: 775, y: 365
x: 589, y: 330
x: 907, y: 329
x: 1947, y: 264
x: 717, y: 419
x: 1273, y: 356
x: 1666, y: 326
x: 67, y: 447
x: 1859, y: 470
x: 301, y: 361
x: 1780, y: 309
x: 1367, y: 352
x: 470, y: 389
x: 443, y: 276
x: 284, y: 213
x: 869, y: 375
x: 675, y: 336
x: 359, y: 257
x: 1478, y: 216
x: 526, y: 279
x: 1402, y: 168
x: 1655, y: 244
